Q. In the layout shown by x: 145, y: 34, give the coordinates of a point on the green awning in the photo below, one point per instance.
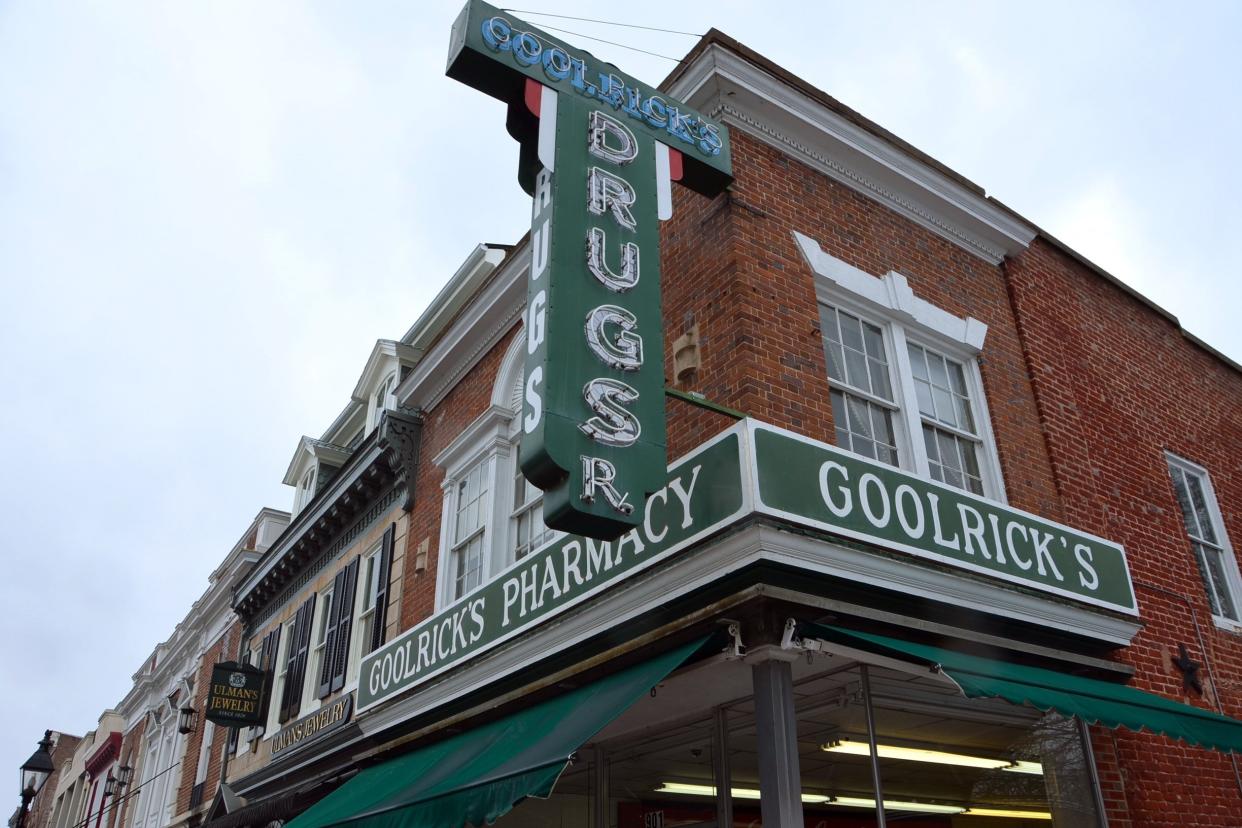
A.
x: 479, y: 775
x: 1092, y: 700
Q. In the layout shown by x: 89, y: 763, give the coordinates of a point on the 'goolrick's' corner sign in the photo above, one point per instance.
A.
x: 599, y: 151
x: 756, y: 469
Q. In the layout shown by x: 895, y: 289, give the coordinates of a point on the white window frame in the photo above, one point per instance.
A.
x: 279, y: 676
x: 369, y: 563
x: 492, y: 438
x: 889, y: 303
x: 484, y: 442
x: 1233, y: 578
x: 204, y: 752
x: 382, y: 399
x: 306, y: 488
x: 509, y: 489
x: 324, y: 607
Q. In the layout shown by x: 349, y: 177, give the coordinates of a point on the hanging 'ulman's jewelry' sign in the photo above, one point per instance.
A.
x: 599, y: 153
x: 236, y: 695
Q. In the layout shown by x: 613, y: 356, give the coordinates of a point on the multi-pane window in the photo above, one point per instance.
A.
x: 529, y: 531
x: 904, y: 403
x: 1217, y: 567
x: 468, y: 551
x: 306, y: 490
x: 284, y: 643
x: 322, y: 622
x: 366, y: 607
x: 383, y: 398
x: 862, y: 393
x: 949, y: 435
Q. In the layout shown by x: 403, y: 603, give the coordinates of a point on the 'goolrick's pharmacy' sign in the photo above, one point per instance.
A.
x: 599, y: 152
x: 752, y: 470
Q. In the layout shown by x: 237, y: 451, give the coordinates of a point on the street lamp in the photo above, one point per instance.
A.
x: 34, y: 774
x: 188, y: 720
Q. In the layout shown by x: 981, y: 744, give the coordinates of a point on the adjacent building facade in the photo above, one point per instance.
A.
x: 945, y: 537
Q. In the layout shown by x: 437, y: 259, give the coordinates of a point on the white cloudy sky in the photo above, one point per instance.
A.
x: 210, y: 210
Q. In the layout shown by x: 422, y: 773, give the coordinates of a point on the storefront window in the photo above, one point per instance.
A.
x: 945, y: 761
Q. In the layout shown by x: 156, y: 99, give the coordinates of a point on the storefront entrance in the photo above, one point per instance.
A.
x: 944, y: 760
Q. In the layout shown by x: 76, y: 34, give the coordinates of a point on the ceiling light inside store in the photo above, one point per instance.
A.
x: 896, y: 805
x: 1026, y: 767
x: 940, y: 757
x: 1004, y: 812
x: 738, y: 793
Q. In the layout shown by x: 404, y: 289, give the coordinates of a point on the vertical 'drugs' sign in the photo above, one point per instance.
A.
x: 599, y: 153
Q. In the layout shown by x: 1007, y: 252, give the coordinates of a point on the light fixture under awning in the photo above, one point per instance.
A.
x: 478, y: 776
x: 1092, y: 700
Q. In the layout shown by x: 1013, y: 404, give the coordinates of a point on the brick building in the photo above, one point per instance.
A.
x: 944, y: 536
x: 904, y: 435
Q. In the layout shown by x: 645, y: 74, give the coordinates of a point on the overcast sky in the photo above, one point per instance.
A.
x: 209, y: 211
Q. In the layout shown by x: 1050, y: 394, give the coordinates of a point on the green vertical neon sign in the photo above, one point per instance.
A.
x: 599, y: 153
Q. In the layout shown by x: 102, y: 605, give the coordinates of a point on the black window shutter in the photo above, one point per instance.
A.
x: 299, y: 646
x: 323, y: 682
x: 381, y: 593
x: 344, y: 624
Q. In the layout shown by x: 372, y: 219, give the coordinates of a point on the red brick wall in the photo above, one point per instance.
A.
x: 732, y: 266
x: 442, y: 424
x: 1064, y: 355
x: 1117, y: 384
x: 223, y: 650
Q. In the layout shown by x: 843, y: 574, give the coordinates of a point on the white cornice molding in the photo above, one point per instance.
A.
x: 482, y: 323
x: 728, y: 87
x: 453, y: 296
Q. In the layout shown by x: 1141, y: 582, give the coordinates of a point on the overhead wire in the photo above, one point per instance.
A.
x: 604, y: 22
x: 613, y: 43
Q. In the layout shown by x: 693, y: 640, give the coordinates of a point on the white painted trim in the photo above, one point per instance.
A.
x: 482, y: 323
x: 309, y: 449
x: 994, y: 596
x: 487, y: 441
x: 546, y: 147
x: 891, y: 294
x: 385, y: 357
x: 664, y: 182
x: 685, y: 573
x: 1233, y: 576
x: 723, y: 84
x: 889, y: 302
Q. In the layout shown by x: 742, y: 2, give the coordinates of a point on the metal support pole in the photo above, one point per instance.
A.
x: 721, y: 770
x: 1088, y: 751
x: 865, y: 681
x: 21, y: 815
x: 780, y: 779
x: 603, y: 799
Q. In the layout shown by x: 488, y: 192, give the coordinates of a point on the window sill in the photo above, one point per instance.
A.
x: 1227, y: 624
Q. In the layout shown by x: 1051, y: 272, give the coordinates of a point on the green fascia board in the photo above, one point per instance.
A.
x: 1092, y: 700
x: 479, y: 775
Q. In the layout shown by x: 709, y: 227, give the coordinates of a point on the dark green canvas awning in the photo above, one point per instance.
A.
x: 478, y: 776
x: 1092, y: 700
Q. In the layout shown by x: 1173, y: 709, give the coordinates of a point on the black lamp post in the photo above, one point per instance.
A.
x: 34, y: 774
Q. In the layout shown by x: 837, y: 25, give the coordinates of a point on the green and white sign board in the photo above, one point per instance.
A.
x: 756, y: 469
x: 599, y: 153
x: 849, y: 496
x: 701, y: 493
